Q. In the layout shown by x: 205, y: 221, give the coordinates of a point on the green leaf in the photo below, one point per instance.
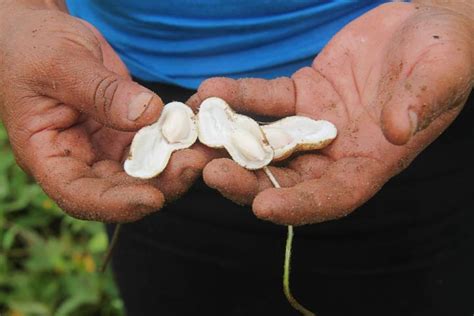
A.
x: 73, y: 304
x: 4, y: 187
x: 7, y: 160
x: 98, y: 243
x: 30, y: 236
x: 9, y: 238
x: 46, y: 256
x: 3, y: 134
x: 31, y: 308
x: 3, y: 268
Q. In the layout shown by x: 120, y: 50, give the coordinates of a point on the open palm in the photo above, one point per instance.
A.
x: 391, y: 81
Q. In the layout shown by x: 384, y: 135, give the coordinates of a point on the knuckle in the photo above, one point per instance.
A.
x: 104, y: 90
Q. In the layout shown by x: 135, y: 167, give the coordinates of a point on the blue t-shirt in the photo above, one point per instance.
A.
x: 183, y: 42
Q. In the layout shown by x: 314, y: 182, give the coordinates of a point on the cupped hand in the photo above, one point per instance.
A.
x: 391, y: 81
x: 71, y: 110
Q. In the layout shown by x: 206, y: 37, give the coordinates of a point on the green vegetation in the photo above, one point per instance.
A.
x: 48, y: 260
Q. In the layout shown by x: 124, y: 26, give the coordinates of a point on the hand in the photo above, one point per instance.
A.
x: 71, y: 110
x: 391, y: 81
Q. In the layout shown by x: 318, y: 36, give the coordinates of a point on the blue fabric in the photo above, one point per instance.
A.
x: 183, y: 42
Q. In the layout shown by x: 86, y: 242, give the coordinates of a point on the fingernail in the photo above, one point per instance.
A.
x: 413, y: 121
x: 138, y: 105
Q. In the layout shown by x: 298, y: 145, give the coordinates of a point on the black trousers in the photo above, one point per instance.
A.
x: 408, y: 251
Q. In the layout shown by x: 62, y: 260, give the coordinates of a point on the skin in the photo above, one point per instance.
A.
x: 390, y: 90
x: 71, y: 110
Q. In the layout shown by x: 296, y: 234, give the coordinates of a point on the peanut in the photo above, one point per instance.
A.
x: 176, y: 126
x: 247, y: 144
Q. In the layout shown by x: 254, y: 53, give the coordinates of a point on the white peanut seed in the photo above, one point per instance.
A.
x: 247, y: 144
x: 176, y: 126
x: 277, y: 137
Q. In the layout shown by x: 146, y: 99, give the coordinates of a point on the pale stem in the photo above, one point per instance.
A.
x: 286, y: 267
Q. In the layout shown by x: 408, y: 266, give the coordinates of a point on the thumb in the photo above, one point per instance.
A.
x: 432, y: 82
x: 250, y: 95
x: 425, y: 95
x: 81, y: 80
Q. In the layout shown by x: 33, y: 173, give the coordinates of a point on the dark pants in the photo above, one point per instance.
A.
x: 408, y: 251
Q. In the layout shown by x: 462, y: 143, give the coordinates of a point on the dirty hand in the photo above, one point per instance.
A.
x: 391, y: 81
x: 71, y: 110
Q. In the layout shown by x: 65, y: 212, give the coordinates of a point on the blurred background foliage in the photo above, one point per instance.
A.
x: 48, y: 260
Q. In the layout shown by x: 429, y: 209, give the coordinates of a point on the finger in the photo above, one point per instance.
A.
x: 194, y: 102
x: 81, y: 193
x: 241, y: 185
x: 346, y: 184
x: 257, y: 96
x: 83, y: 82
x: 184, y: 167
x: 436, y: 77
x: 232, y: 181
